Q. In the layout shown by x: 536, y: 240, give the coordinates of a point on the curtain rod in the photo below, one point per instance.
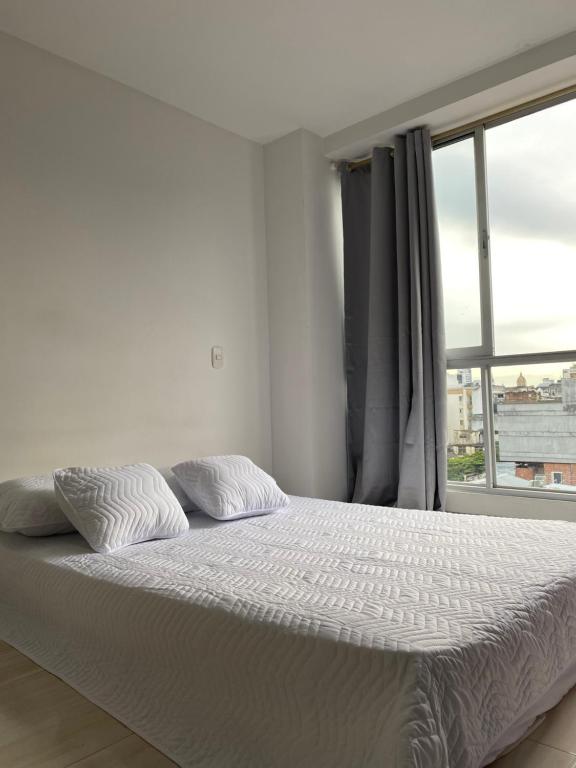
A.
x: 560, y: 95
x: 353, y: 164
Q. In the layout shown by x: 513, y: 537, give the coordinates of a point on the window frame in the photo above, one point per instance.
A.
x: 483, y: 356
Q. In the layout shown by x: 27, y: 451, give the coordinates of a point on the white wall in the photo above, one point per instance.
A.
x: 303, y: 233
x: 131, y: 240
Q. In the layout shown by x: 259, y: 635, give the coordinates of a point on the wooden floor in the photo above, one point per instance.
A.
x: 46, y: 724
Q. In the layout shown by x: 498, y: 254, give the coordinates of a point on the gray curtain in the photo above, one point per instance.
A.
x: 394, y: 329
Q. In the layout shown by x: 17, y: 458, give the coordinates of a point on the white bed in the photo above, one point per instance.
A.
x: 327, y: 635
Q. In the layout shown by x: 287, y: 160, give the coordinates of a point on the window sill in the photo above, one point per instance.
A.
x: 511, y: 502
x: 518, y: 492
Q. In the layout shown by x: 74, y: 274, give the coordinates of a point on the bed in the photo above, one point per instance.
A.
x: 326, y: 635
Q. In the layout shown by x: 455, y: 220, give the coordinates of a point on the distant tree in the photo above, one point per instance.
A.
x: 461, y: 467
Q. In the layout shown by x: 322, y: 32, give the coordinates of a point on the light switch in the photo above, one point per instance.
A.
x: 217, y: 357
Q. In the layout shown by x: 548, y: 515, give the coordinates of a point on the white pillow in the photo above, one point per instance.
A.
x: 116, y: 506
x: 229, y: 487
x: 28, y: 505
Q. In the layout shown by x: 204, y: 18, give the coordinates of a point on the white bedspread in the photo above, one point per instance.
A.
x: 324, y: 636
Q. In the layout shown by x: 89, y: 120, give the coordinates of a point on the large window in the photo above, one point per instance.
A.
x: 506, y: 195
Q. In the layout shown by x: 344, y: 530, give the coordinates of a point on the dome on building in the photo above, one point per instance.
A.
x: 521, y: 381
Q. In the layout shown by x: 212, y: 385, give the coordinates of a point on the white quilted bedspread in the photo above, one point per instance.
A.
x: 323, y: 636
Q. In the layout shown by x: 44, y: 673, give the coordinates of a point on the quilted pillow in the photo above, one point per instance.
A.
x: 116, y: 506
x: 28, y: 505
x: 229, y: 487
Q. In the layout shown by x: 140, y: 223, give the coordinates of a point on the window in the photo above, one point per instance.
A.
x: 465, y: 435
x: 506, y: 196
x: 456, y: 199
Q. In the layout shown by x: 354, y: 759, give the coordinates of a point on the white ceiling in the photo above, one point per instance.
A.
x: 262, y: 68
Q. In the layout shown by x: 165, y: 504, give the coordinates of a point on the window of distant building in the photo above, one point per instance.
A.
x: 506, y: 196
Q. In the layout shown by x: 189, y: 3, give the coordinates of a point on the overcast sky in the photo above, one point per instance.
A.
x: 531, y: 165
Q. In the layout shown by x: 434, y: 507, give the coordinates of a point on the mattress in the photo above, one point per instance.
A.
x: 326, y: 635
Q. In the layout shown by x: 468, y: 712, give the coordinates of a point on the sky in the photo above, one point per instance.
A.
x: 531, y: 169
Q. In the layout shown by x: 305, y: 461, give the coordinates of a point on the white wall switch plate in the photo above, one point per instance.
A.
x: 217, y: 357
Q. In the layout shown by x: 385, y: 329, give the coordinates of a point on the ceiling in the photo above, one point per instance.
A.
x: 263, y: 68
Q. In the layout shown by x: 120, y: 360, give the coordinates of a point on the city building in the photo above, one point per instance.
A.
x: 521, y: 393
x: 463, y: 425
x: 550, y: 388
x: 537, y: 430
x: 535, y: 426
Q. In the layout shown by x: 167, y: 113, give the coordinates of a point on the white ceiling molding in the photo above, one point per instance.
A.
x: 527, y: 75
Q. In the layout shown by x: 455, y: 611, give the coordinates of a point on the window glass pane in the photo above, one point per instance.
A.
x: 455, y: 190
x: 465, y: 427
x: 531, y: 170
x: 535, y: 424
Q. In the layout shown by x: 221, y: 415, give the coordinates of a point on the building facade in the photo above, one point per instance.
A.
x: 535, y: 427
x: 536, y: 430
